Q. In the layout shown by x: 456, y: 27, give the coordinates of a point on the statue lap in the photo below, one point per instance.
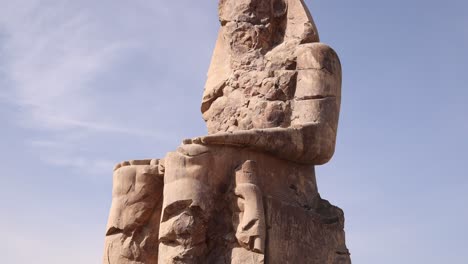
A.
x: 221, y: 204
x: 243, y: 204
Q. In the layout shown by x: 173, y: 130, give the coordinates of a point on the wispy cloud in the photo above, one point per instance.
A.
x: 51, y: 54
x: 71, y: 69
x: 64, y: 153
x: 83, y: 164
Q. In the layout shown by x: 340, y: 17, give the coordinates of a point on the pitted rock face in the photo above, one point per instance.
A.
x: 252, y: 11
x: 253, y: 75
x: 133, y: 225
x: 253, y: 25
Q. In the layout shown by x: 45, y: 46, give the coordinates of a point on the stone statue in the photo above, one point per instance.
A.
x: 246, y: 192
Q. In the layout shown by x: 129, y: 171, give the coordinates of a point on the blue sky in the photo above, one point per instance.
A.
x: 85, y: 84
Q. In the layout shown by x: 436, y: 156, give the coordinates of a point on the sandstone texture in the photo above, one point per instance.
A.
x: 246, y: 192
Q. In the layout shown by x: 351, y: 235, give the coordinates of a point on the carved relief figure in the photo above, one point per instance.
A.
x: 250, y: 220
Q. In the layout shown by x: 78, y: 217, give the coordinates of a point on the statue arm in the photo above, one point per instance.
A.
x: 312, y: 133
x: 309, y: 143
x: 311, y: 136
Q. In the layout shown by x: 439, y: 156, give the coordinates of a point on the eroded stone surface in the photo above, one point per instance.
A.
x: 246, y: 192
x: 269, y: 71
x: 133, y: 225
x: 242, y: 204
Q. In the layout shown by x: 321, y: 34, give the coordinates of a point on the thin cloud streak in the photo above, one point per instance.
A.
x: 53, y: 56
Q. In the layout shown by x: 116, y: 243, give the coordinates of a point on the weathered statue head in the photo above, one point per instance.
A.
x: 263, y: 24
x: 269, y: 71
x: 253, y: 74
x: 251, y: 11
x: 253, y: 24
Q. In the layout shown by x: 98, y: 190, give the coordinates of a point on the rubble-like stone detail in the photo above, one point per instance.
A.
x: 269, y: 71
x: 246, y: 192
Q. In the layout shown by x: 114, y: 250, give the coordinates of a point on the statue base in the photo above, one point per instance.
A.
x: 219, y: 204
